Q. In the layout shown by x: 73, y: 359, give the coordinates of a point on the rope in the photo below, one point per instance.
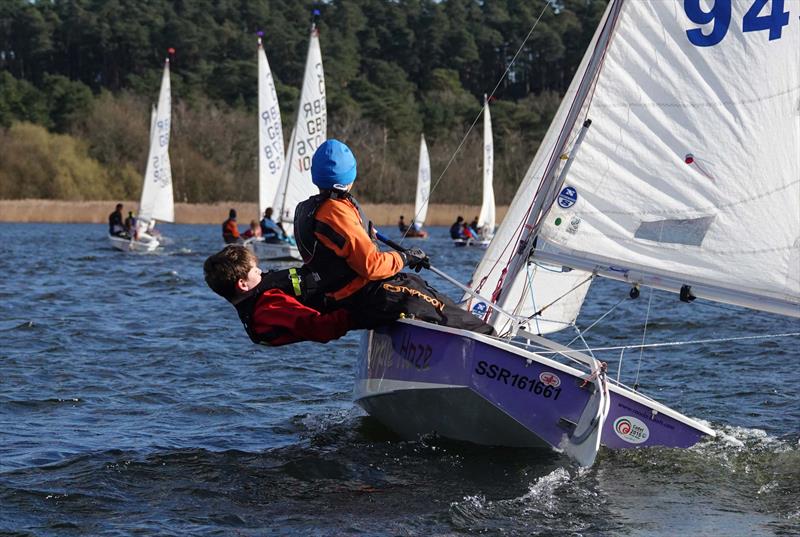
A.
x: 494, y: 90
x: 644, y: 335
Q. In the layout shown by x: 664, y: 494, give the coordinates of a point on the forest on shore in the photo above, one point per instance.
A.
x: 78, y: 77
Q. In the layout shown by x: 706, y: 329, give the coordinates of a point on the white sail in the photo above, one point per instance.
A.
x: 498, y: 277
x: 423, y: 184
x: 310, y: 131
x: 486, y: 220
x: 153, y: 119
x: 270, y: 134
x: 156, y: 202
x: 690, y: 172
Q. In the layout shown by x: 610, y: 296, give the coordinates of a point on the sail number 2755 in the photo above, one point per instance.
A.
x: 719, y: 16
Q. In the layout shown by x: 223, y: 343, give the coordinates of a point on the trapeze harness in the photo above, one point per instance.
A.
x: 299, y: 283
x: 316, y: 256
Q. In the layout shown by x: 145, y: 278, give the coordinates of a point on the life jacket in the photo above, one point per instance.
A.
x: 316, y: 256
x: 299, y: 283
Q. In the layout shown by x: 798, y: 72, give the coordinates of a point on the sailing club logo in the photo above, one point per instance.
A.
x: 568, y: 197
x: 632, y: 430
x: 549, y: 379
x: 479, y: 309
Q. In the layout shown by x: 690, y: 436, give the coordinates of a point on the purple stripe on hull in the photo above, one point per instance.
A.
x: 542, y: 399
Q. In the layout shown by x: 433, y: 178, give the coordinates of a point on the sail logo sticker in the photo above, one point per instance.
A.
x: 479, y: 309
x: 632, y: 430
x: 549, y: 379
x: 568, y: 197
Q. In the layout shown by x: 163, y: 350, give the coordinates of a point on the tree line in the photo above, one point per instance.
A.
x: 78, y: 78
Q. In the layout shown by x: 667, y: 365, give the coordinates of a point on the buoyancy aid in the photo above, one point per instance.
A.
x: 300, y: 283
x: 318, y: 257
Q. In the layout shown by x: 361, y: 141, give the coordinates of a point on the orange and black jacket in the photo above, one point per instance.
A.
x: 272, y: 316
x: 335, y: 243
x: 230, y: 231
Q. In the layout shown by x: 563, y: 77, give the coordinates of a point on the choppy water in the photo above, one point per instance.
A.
x: 132, y: 403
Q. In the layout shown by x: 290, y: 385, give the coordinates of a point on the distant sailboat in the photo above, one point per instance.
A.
x: 310, y: 130
x: 270, y: 159
x: 671, y: 163
x: 486, y: 219
x: 423, y: 193
x: 156, y: 202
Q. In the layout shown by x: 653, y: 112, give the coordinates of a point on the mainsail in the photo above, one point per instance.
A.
x: 688, y: 178
x: 270, y: 134
x: 309, y: 132
x: 423, y: 184
x: 486, y: 220
x: 156, y: 202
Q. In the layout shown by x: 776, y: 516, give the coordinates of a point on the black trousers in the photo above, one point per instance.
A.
x: 404, y: 294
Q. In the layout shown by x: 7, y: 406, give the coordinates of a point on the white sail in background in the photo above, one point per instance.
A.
x: 310, y: 131
x: 514, y: 289
x: 690, y: 172
x: 270, y: 134
x: 423, y: 184
x: 156, y: 201
x: 486, y: 220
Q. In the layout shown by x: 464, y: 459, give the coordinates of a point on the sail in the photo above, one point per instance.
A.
x: 156, y: 202
x: 689, y: 176
x: 497, y: 277
x: 423, y: 184
x: 310, y: 131
x: 270, y: 134
x: 153, y: 118
x: 486, y: 220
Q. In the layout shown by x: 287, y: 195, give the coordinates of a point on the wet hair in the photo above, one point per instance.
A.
x: 224, y: 269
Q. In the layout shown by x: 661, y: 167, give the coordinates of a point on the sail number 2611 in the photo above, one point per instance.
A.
x: 719, y: 15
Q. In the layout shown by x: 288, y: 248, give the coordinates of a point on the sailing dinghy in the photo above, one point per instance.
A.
x: 156, y: 202
x: 486, y: 218
x: 310, y: 130
x: 415, y: 230
x: 270, y: 160
x: 672, y: 163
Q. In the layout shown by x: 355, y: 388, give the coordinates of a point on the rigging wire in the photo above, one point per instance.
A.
x: 494, y: 90
x: 644, y: 335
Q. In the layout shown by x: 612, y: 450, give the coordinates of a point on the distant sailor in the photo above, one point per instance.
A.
x: 455, y: 229
x: 336, y: 242
x: 230, y: 230
x: 271, y: 230
x: 115, y: 225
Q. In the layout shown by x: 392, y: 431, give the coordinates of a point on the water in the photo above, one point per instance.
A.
x: 132, y: 403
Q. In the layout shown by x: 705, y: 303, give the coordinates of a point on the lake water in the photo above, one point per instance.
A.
x: 133, y: 403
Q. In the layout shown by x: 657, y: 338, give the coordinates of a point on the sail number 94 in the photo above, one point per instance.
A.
x: 719, y: 17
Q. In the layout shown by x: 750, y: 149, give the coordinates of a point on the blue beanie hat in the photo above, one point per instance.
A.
x: 333, y: 165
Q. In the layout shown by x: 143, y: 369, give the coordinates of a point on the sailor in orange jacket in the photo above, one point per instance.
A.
x: 272, y: 306
x: 334, y: 238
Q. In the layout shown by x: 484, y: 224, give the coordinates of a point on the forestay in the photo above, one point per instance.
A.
x: 423, y: 184
x: 156, y: 202
x: 509, y: 284
x: 486, y: 219
x: 690, y: 172
x: 270, y: 134
x: 309, y: 132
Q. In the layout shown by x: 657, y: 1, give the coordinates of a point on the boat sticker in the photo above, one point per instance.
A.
x: 479, y: 309
x: 632, y: 430
x: 567, y: 197
x: 551, y: 379
x: 574, y: 222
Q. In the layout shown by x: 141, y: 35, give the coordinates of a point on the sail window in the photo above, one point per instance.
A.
x: 690, y: 232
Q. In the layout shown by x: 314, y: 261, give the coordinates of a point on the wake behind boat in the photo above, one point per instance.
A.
x: 642, y: 178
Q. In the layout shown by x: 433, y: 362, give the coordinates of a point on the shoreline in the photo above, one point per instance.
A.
x: 96, y: 212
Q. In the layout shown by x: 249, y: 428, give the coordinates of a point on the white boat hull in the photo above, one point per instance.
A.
x: 130, y: 245
x: 277, y: 251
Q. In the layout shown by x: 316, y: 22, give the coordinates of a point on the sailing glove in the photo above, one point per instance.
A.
x: 416, y: 259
